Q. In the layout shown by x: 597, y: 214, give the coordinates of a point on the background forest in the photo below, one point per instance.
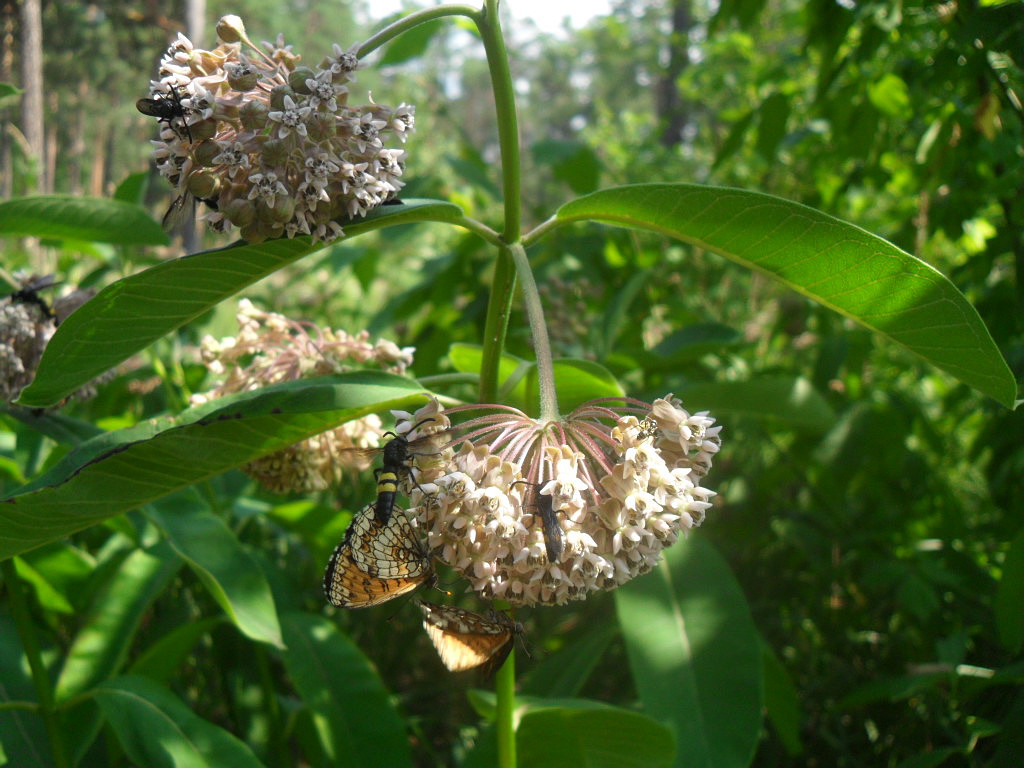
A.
x: 870, y: 505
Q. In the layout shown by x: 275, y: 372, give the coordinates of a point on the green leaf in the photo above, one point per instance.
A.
x: 158, y: 731
x: 160, y: 661
x: 573, y: 162
x: 119, y: 471
x: 101, y: 645
x: 890, y: 95
x: 575, y: 380
x: 603, y: 737
x: 695, y: 655
x: 771, y: 127
x: 1010, y: 598
x: 230, y: 573
x: 130, y: 314
x: 791, y: 400
x: 49, y: 598
x: 833, y: 262
x: 22, y: 731
x: 351, y: 708
x: 91, y: 219
x: 564, y: 673
x: 781, y: 701
x: 691, y: 343
x: 734, y: 140
x: 411, y: 44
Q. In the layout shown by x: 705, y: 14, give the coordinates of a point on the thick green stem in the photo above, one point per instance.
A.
x: 40, y: 679
x: 539, y: 332
x: 406, y: 23
x: 505, y: 692
x: 502, y: 289
x: 508, y: 123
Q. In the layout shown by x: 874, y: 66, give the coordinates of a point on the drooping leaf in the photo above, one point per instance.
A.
x: 226, y: 568
x: 157, y: 730
x: 605, y: 737
x: 101, y: 645
x: 835, y: 263
x: 130, y: 314
x: 119, y: 471
x: 695, y: 655
x: 351, y: 709
x: 80, y: 218
x: 790, y: 400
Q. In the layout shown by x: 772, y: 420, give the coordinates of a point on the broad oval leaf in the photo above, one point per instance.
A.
x: 603, y: 737
x: 577, y: 381
x: 789, y: 400
x: 351, y: 708
x: 119, y: 471
x: 157, y: 730
x: 835, y: 263
x: 101, y: 645
x: 93, y: 219
x: 695, y: 655
x: 130, y: 314
x: 227, y: 569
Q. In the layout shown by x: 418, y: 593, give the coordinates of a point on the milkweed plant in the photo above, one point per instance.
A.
x: 525, y: 502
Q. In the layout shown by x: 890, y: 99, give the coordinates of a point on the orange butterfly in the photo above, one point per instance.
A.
x: 376, y: 561
x: 465, y: 639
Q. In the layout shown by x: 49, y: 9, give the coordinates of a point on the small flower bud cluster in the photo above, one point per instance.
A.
x: 25, y: 329
x: 272, y: 145
x: 620, y: 490
x: 27, y: 323
x: 270, y: 349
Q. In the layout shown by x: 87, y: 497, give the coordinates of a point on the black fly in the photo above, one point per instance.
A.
x: 167, y: 109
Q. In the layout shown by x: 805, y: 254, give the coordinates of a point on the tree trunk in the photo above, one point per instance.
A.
x: 671, y: 110
x: 32, y: 83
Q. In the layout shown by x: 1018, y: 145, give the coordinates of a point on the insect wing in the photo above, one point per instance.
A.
x: 552, y: 530
x: 179, y: 212
x: 465, y: 640
x: 376, y: 562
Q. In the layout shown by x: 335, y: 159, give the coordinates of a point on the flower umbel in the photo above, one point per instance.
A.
x: 243, y: 127
x: 270, y: 349
x: 622, y: 479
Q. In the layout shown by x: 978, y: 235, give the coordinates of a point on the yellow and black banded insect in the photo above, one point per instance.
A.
x: 544, y: 504
x: 376, y: 561
x: 465, y: 639
x: 394, y: 466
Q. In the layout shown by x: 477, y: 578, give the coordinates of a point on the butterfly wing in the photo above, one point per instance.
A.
x: 376, y: 561
x: 465, y: 640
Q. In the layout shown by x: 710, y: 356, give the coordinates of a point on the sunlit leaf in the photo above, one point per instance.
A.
x: 119, y: 471
x: 80, y: 218
x: 157, y: 730
x: 835, y: 263
x: 695, y: 655
x: 351, y: 708
x: 101, y: 645
x: 131, y: 313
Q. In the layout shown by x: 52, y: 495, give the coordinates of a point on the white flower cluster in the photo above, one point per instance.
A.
x: 273, y: 146
x: 271, y: 348
x: 615, y: 511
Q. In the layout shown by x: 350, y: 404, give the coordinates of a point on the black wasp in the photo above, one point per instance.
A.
x: 394, y: 465
x: 168, y: 109
x: 544, y: 504
x: 27, y: 294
